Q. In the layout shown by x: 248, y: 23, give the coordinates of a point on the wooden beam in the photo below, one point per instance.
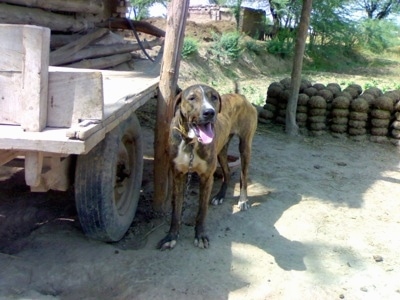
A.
x: 140, y: 26
x: 57, y: 176
x: 12, y: 14
x: 24, y: 63
x: 103, y: 62
x: 7, y: 155
x: 106, y: 50
x: 79, y: 6
x: 176, y: 23
x: 61, y: 54
x: 33, y: 168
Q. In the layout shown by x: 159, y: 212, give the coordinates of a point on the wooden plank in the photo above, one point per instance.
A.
x: 13, y: 14
x: 79, y: 6
x: 24, y: 75
x: 106, y: 50
x: 103, y: 62
x: 52, y: 140
x: 58, y: 56
x: 8, y: 155
x: 74, y: 96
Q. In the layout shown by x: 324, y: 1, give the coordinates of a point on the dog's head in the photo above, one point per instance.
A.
x: 199, y: 106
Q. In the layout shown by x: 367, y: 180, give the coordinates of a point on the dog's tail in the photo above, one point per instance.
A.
x: 236, y: 83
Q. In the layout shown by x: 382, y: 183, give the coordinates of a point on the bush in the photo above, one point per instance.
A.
x: 190, y: 46
x: 228, y: 44
x: 252, y: 46
x: 378, y: 35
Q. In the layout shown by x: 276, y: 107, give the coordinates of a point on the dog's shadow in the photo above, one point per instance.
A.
x: 257, y: 226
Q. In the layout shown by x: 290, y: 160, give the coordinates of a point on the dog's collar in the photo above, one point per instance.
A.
x: 184, y: 134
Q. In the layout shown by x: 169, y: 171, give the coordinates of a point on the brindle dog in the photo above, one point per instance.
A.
x: 201, y: 129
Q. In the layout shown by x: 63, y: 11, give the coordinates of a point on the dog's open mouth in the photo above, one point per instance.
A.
x: 203, y: 132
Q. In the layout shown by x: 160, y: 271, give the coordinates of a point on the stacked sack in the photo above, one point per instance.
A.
x: 328, y: 96
x: 340, y: 109
x: 302, y: 109
x: 271, y: 103
x: 282, y: 104
x: 373, y: 91
x: 283, y: 100
x: 354, y: 90
x: 317, y: 115
x: 394, y: 129
x: 334, y: 88
x: 339, y: 114
x: 381, y: 112
x: 358, y: 117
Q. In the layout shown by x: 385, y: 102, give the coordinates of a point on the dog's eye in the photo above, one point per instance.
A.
x: 191, y: 98
x: 214, y: 98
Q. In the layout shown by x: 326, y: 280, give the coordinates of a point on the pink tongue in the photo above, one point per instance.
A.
x: 206, y: 133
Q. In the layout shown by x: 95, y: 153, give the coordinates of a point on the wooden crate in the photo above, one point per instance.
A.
x: 24, y: 64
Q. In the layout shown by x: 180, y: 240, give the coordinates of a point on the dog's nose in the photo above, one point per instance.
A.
x: 208, y: 113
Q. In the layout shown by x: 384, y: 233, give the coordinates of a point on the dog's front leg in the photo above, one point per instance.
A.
x: 170, y: 240
x: 201, y: 239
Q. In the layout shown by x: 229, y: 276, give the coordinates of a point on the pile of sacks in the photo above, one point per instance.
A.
x: 351, y: 111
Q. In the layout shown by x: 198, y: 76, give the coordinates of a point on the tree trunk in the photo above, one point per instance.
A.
x: 291, y: 125
x: 176, y: 22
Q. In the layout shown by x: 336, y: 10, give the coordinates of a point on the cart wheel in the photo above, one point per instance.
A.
x: 108, y: 181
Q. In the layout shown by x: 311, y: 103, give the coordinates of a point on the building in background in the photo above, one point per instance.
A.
x: 251, y: 21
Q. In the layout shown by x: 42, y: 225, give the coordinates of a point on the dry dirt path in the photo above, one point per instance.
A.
x: 323, y: 224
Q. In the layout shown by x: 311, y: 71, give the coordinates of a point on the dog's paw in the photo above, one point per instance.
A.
x: 243, y: 205
x: 168, y: 242
x: 217, y: 200
x: 202, y: 242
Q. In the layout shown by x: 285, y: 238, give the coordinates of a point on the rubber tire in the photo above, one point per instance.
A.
x: 106, y: 210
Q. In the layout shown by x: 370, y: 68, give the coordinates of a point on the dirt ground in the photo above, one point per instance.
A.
x: 323, y: 224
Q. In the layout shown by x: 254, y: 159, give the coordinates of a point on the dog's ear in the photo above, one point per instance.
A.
x: 177, y: 102
x: 220, y: 102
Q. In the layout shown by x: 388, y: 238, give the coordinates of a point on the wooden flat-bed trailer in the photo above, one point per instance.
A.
x: 73, y: 126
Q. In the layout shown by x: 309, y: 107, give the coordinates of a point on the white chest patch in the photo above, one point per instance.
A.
x: 182, y: 161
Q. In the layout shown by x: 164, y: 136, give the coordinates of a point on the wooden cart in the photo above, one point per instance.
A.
x: 73, y: 126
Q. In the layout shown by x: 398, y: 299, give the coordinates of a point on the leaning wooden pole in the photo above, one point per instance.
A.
x: 176, y: 23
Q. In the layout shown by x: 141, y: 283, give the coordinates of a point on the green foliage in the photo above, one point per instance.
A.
x: 190, y: 46
x: 373, y: 83
x: 283, y: 43
x: 254, y: 47
x: 378, y: 36
x: 227, y: 45
x: 332, y: 58
x: 378, y: 10
x: 140, y: 8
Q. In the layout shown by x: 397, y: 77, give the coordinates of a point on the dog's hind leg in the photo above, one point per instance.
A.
x: 245, y: 153
x: 170, y: 240
x: 223, y: 162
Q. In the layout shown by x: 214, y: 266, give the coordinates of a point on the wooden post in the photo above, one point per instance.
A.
x: 176, y: 23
